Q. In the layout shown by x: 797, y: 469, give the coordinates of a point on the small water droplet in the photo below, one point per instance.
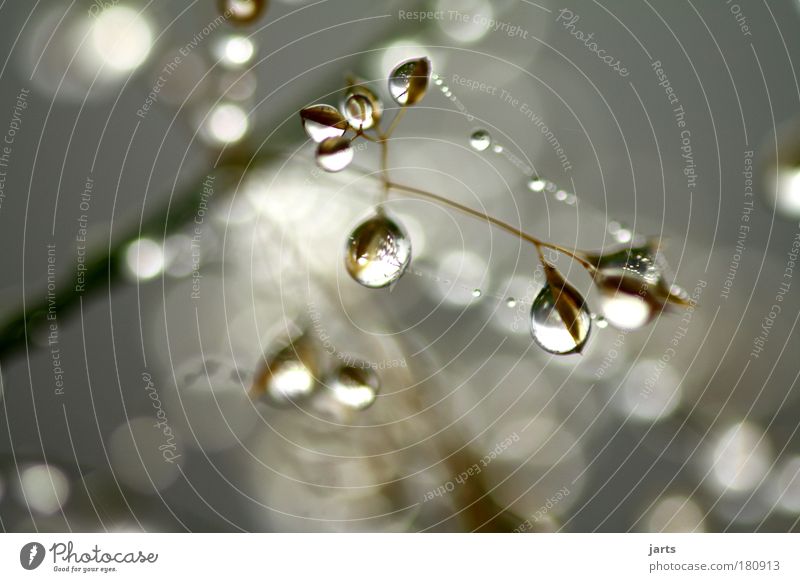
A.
x: 334, y: 154
x: 549, y: 329
x: 476, y: 293
x: 355, y: 386
x: 480, y: 140
x: 536, y: 184
x: 497, y: 148
x: 511, y: 302
x: 378, y: 252
x: 289, y: 375
x: 623, y: 235
x: 601, y: 322
x: 561, y: 195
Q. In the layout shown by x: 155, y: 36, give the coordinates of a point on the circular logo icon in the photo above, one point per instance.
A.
x: 31, y: 555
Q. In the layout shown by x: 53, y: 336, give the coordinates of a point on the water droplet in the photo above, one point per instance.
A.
x: 549, y: 329
x: 362, y: 108
x: 601, y: 322
x: 623, y: 235
x: 536, y: 184
x: 409, y: 81
x: 480, y: 140
x: 377, y: 252
x: 289, y: 375
x: 242, y: 11
x: 334, y: 154
x: 358, y: 112
x: 476, y: 293
x: 355, y: 386
x: 497, y: 148
x: 625, y: 310
x: 321, y: 122
x: 511, y: 303
x: 236, y: 50
x: 561, y: 195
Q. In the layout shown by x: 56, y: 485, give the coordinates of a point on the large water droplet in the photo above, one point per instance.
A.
x: 288, y: 375
x: 480, y: 140
x: 334, y: 154
x: 321, y: 122
x: 550, y: 331
x: 242, y: 11
x: 409, y: 81
x: 355, y: 386
x: 378, y: 252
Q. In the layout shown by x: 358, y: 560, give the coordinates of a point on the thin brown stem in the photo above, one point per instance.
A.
x: 538, y: 243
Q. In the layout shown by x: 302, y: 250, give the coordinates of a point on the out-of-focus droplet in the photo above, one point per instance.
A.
x: 740, y: 458
x: 377, y: 252
x: 628, y: 311
x: 536, y: 184
x: 497, y: 148
x: 43, y: 488
x: 480, y: 140
x: 511, y: 303
x: 288, y: 375
x: 462, y: 28
x: 355, y: 386
x: 560, y: 320
x: 409, y: 81
x: 321, y: 122
x: 122, y: 37
x: 358, y: 112
x: 651, y: 390
x: 144, y: 259
x: 787, y: 485
x: 242, y: 11
x: 227, y: 123
x: 676, y: 514
x: 236, y: 50
x: 334, y: 154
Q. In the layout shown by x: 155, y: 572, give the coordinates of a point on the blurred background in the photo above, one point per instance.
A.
x: 166, y: 232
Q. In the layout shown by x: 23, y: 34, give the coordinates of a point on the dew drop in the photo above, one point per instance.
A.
x: 321, y: 122
x: 409, y: 81
x: 242, y: 11
x: 358, y: 112
x: 355, y: 386
x: 549, y: 329
x: 377, y: 252
x: 289, y: 375
x: 536, y: 184
x: 497, y: 148
x: 476, y: 293
x: 601, y: 322
x: 334, y: 154
x: 511, y: 303
x: 626, y: 311
x: 561, y: 195
x: 480, y: 140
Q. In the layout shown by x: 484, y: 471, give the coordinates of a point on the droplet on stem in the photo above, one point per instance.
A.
x: 361, y: 93
x: 355, y: 386
x: 321, y: 122
x: 560, y: 319
x: 377, y: 252
x: 409, y: 81
x: 536, y: 184
x: 242, y: 11
x: 288, y: 375
x: 358, y: 112
x: 480, y: 140
x: 334, y: 154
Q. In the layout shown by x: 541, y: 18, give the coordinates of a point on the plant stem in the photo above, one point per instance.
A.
x: 538, y: 243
